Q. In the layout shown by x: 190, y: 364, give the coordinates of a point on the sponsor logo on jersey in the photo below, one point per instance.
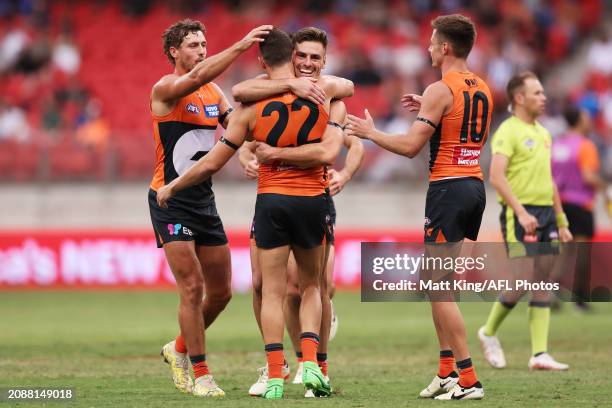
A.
x: 529, y: 143
x: 466, y: 156
x: 191, y: 108
x: 211, y: 111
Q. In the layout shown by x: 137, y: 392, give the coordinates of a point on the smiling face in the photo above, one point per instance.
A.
x: 191, y: 51
x: 309, y: 59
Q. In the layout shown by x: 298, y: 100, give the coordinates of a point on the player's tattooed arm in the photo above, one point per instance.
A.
x: 259, y: 88
x: 173, y: 87
x: 220, y: 154
x: 436, y: 99
x: 311, y: 154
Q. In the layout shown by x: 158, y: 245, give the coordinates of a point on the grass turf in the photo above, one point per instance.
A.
x: 106, y: 346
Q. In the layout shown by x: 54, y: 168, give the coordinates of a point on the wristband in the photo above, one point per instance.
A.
x: 562, y: 221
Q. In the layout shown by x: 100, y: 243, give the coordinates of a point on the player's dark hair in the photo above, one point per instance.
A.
x: 310, y: 34
x: 174, y: 35
x: 516, y: 84
x: 458, y: 30
x: 572, y: 116
x: 276, y: 49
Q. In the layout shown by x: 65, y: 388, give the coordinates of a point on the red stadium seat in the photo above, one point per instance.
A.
x: 69, y: 160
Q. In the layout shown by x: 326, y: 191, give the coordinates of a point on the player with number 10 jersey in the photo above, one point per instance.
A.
x: 456, y: 197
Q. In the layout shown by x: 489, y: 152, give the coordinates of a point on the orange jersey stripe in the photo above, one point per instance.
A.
x: 286, y: 121
x: 456, y: 145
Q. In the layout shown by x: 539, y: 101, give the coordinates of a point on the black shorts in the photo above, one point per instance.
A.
x: 546, y: 239
x: 453, y: 209
x: 580, y: 219
x: 186, y: 223
x: 291, y: 220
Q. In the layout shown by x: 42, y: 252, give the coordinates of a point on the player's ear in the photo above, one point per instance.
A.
x: 519, y: 98
x: 445, y: 48
x: 174, y: 52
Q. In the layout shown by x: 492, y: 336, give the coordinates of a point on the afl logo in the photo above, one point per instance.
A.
x: 191, y: 108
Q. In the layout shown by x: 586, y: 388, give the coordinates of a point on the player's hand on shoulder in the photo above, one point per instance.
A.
x: 264, y: 152
x: 412, y: 102
x: 358, y: 127
x: 565, y: 235
x: 337, y: 181
x: 307, y: 88
x: 163, y: 195
x: 256, y: 35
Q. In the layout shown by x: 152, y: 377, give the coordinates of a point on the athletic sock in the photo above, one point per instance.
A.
x: 446, y: 364
x: 467, y: 375
x: 179, y: 345
x: 499, y: 311
x: 309, y: 344
x: 276, y: 359
x: 322, y: 361
x: 199, y: 365
x: 539, y: 323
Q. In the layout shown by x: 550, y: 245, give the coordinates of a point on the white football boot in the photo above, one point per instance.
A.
x: 492, y: 349
x: 474, y: 392
x: 440, y: 385
x: 298, y: 374
x: 545, y: 362
x: 259, y: 387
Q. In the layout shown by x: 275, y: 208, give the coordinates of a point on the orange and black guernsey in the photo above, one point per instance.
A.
x: 182, y: 137
x: 285, y: 121
x: 457, y: 142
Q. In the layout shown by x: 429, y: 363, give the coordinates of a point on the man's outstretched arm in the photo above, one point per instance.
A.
x: 172, y: 87
x: 433, y: 105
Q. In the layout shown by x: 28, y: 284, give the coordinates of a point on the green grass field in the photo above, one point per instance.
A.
x: 106, y: 345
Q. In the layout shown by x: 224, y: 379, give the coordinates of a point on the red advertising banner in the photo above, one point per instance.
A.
x: 101, y: 259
